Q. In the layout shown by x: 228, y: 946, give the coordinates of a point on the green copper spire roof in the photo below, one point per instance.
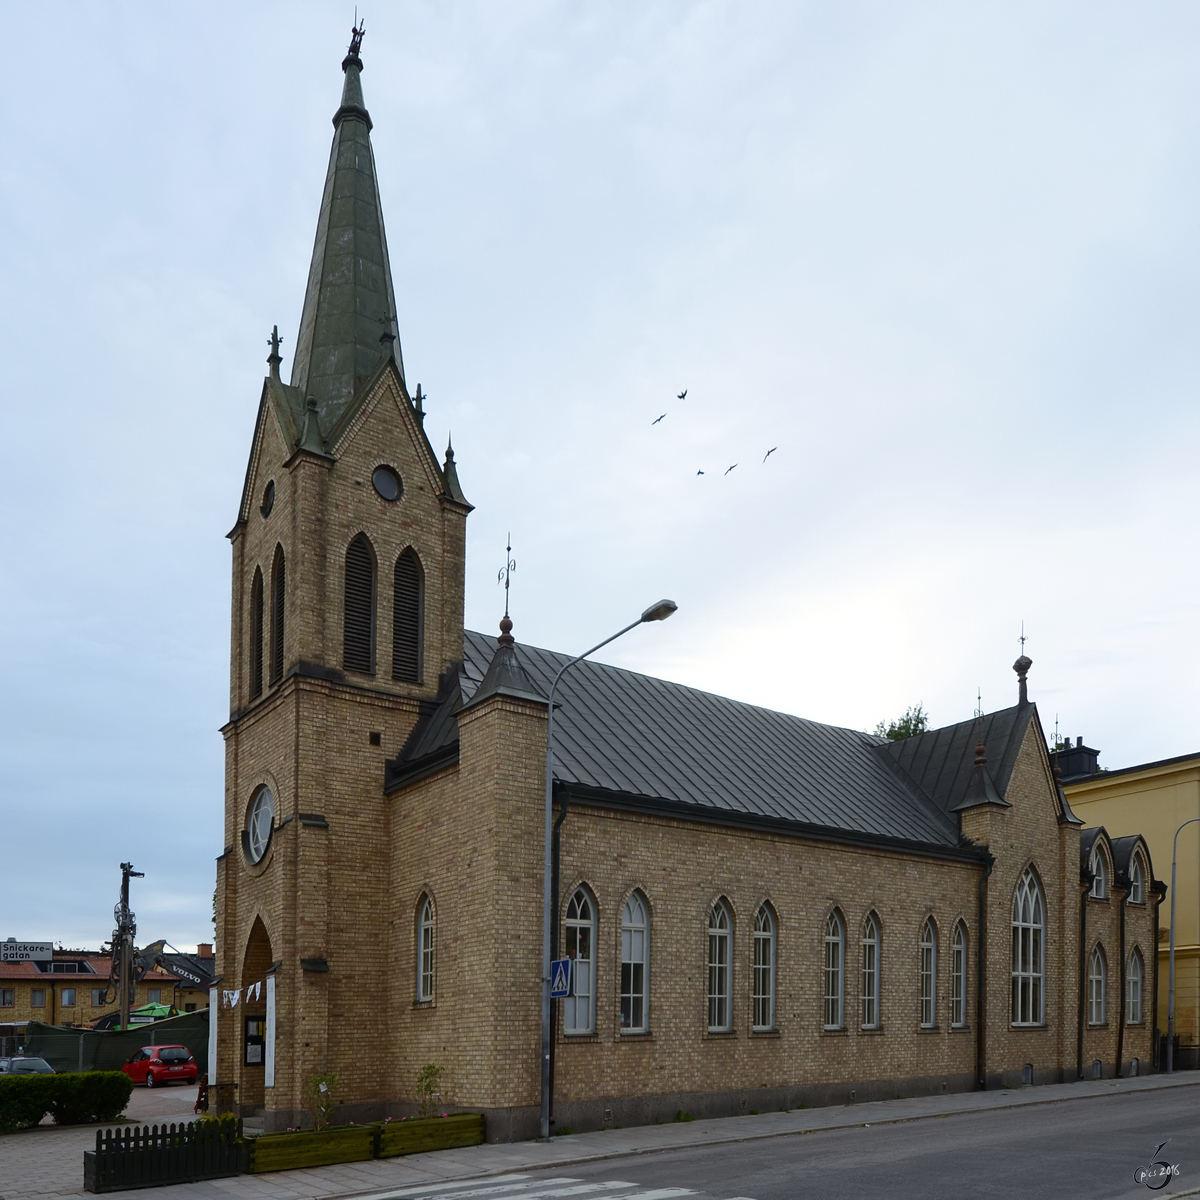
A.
x: 348, y: 326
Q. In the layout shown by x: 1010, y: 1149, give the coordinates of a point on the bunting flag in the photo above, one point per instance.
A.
x: 253, y: 991
x: 237, y: 995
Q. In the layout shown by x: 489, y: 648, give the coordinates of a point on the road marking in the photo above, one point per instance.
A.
x: 510, y: 1191
x: 659, y: 1194
x: 498, y: 1183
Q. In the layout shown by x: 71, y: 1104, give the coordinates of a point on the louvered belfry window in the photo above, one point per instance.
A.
x: 407, y: 629
x: 359, y: 651
x: 278, y: 586
x: 256, y: 635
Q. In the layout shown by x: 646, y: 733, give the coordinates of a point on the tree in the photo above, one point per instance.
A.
x: 914, y: 721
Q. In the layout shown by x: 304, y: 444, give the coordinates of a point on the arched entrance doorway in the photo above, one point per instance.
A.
x: 251, y: 1027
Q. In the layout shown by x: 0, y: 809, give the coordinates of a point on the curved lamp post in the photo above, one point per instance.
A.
x: 1171, y: 955
x: 656, y: 612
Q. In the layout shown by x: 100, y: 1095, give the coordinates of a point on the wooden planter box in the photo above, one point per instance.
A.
x: 429, y: 1133
x: 307, y: 1148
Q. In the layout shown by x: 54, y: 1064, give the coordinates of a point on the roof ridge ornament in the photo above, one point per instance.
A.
x: 356, y: 36
x: 274, y: 358
x: 1021, y: 666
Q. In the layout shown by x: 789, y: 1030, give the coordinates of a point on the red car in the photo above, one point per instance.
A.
x: 154, y: 1065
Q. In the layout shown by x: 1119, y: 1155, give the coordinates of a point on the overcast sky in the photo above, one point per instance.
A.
x: 943, y: 256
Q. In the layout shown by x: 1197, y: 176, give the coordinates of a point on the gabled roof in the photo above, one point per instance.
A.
x: 348, y: 323
x: 636, y: 737
x: 941, y: 761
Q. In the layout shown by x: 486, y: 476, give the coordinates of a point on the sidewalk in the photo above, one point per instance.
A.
x: 47, y: 1162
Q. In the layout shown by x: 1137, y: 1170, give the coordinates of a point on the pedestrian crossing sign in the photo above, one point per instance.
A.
x: 560, y: 978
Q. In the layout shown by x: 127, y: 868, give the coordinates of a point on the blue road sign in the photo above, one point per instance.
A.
x: 560, y: 978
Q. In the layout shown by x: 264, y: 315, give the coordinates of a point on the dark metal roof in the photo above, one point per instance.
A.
x: 940, y: 762
x: 627, y: 734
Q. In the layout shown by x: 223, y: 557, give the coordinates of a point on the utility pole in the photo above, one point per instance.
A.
x: 122, y: 938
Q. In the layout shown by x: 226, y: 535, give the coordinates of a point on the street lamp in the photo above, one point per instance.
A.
x: 1171, y: 955
x: 656, y: 612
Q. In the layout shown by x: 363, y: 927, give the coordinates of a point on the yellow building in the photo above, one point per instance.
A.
x: 1153, y: 799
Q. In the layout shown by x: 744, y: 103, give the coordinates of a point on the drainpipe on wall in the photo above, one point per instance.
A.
x: 1088, y: 877
x: 1160, y: 892
x: 555, y: 884
x: 981, y: 981
x: 1121, y: 1018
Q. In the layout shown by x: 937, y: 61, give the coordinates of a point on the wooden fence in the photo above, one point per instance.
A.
x: 151, y: 1156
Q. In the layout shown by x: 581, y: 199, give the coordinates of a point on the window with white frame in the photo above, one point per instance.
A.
x: 958, y: 977
x: 720, y: 981
x: 870, y: 972
x: 1137, y: 881
x: 579, y: 1008
x: 425, y: 951
x: 928, y: 974
x: 98, y: 997
x: 1096, y: 986
x: 835, y: 973
x: 1099, y: 875
x: 1133, y: 989
x: 1028, y: 952
x: 635, y: 965
x: 68, y: 997
x: 764, y: 970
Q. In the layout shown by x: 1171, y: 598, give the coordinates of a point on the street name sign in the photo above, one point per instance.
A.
x: 14, y: 951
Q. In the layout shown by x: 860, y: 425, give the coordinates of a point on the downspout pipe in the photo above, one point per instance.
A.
x: 1160, y: 891
x: 556, y: 900
x: 1124, y: 984
x: 981, y: 980
x: 1088, y: 878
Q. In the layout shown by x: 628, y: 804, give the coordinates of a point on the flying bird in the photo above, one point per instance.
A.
x: 682, y: 395
x: 657, y: 419
x: 699, y: 472
x: 730, y: 469
x: 769, y: 453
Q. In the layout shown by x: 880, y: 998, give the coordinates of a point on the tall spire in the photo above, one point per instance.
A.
x: 348, y: 325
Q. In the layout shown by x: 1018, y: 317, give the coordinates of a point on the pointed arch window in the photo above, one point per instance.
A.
x: 425, y: 951
x: 835, y: 972
x: 1099, y: 875
x: 870, y: 972
x: 1097, y: 980
x: 408, y: 601
x: 278, y: 594
x: 635, y: 965
x: 1134, y: 976
x: 720, y: 976
x: 958, y: 977
x: 928, y: 974
x: 256, y: 635
x: 579, y: 1008
x: 1028, y: 952
x: 359, y: 648
x: 764, y: 970
x: 1137, y: 881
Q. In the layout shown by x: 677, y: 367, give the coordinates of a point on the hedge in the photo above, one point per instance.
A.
x: 76, y: 1099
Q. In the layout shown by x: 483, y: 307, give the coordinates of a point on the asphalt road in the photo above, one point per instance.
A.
x: 1075, y: 1148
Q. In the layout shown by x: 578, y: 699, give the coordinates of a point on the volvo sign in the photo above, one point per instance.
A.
x: 14, y: 951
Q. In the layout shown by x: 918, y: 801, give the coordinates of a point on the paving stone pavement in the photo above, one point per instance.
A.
x: 47, y: 1162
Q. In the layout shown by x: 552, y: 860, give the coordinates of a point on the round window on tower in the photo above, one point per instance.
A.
x: 387, y: 483
x: 259, y: 823
x: 268, y: 499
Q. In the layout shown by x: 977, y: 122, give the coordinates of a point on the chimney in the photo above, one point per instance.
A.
x: 1075, y: 762
x: 204, y: 950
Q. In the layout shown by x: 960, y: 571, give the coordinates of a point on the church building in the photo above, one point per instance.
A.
x: 762, y: 911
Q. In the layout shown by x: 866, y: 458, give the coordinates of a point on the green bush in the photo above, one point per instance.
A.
x: 74, y: 1099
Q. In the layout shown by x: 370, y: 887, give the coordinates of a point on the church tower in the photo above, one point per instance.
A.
x: 348, y: 577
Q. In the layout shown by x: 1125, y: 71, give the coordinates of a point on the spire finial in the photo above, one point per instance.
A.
x: 504, y: 576
x: 310, y: 435
x: 419, y: 404
x: 1021, y: 666
x: 356, y: 36
x: 274, y: 341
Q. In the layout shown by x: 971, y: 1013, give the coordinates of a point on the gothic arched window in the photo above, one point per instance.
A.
x: 1028, y: 952
x: 359, y: 650
x: 1137, y: 881
x: 256, y: 635
x: 635, y: 965
x: 720, y: 945
x: 579, y: 1008
x: 278, y: 592
x: 928, y: 974
x: 1097, y: 981
x: 425, y: 950
x: 1099, y: 875
x: 835, y: 974
x: 408, y: 617
x: 764, y: 969
x: 958, y: 977
x: 1133, y: 989
x: 870, y: 972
